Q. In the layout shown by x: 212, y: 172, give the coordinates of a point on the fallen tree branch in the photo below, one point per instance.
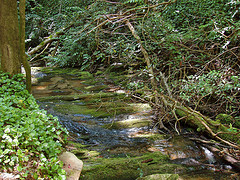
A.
x: 227, y: 157
x: 40, y: 53
x: 198, y: 120
x: 50, y: 39
x: 146, y: 58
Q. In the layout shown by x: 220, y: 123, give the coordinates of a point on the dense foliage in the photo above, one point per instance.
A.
x: 213, y: 93
x: 183, y: 39
x: 30, y: 140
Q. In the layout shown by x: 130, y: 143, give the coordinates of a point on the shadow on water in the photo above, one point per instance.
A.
x: 105, y: 134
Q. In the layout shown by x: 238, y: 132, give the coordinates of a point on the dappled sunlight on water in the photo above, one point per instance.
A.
x: 91, y: 131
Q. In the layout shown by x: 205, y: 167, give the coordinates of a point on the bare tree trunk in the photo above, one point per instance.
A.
x: 9, y: 37
x: 23, y: 57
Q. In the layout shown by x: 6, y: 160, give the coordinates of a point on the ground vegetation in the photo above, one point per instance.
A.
x: 30, y: 140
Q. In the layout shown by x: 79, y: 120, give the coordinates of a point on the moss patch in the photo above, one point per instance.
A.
x: 160, y: 177
x: 96, y: 88
x: 130, y: 123
x: 68, y: 71
x: 128, y: 168
x: 224, y: 118
x: 96, y: 105
x: 96, y: 110
x: 95, y: 97
x: 215, y: 126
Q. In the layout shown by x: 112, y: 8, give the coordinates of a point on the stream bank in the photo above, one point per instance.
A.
x: 113, y: 134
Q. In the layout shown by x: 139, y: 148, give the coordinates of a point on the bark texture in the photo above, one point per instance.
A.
x: 9, y: 37
x: 23, y: 57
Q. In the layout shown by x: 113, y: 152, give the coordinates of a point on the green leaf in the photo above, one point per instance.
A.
x: 19, y: 168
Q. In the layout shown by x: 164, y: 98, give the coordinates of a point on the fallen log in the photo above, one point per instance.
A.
x: 202, y: 123
x: 225, y: 156
x: 49, y: 39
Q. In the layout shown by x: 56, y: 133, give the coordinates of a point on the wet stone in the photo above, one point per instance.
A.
x: 115, y: 137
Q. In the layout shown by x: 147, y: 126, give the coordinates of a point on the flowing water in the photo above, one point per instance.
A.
x: 102, y: 117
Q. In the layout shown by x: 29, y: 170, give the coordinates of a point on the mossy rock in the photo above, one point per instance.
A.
x: 68, y: 71
x: 141, y: 107
x: 128, y: 168
x: 160, y: 177
x: 215, y: 126
x: 85, y: 154
x: 129, y: 123
x: 80, y: 109
x: 95, y: 109
x: 96, y: 88
x: 91, y: 97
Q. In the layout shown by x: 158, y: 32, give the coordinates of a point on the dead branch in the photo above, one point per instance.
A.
x: 146, y: 58
x: 121, y: 17
x: 35, y: 57
x: 50, y: 39
x: 196, y: 119
x: 98, y: 26
x: 149, y: 7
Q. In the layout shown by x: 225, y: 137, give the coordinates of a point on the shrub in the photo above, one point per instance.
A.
x: 216, y: 89
x: 30, y: 140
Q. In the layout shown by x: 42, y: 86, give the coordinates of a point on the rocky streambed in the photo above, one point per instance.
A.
x: 114, y: 134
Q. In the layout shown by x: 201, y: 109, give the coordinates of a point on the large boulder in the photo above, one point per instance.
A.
x: 8, y: 176
x: 72, y: 165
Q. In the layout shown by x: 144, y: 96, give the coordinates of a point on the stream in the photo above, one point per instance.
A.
x: 109, y: 124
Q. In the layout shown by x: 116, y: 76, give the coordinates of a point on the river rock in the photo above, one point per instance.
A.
x: 72, y: 165
x: 160, y: 177
x: 8, y: 176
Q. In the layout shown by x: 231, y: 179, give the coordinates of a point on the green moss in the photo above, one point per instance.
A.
x: 80, y: 109
x: 68, y: 71
x: 160, y: 177
x: 97, y: 105
x: 95, y: 97
x: 124, y: 168
x: 130, y: 123
x: 80, y: 150
x: 141, y: 106
x: 215, y: 126
x: 228, y: 136
x: 224, y: 118
x: 190, y: 118
x: 96, y: 88
x: 85, y: 154
x: 128, y: 168
x: 99, y: 73
x: 95, y: 110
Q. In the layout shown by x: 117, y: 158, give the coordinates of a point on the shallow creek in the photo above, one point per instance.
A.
x: 106, y: 122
